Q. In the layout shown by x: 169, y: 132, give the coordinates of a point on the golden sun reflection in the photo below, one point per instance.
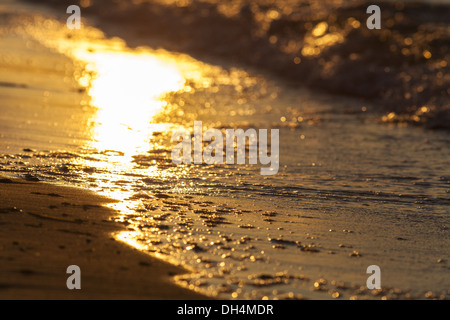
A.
x: 125, y: 88
x: 121, y: 89
x: 124, y: 85
x: 320, y: 38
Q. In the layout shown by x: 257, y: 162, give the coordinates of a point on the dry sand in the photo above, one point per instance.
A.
x: 46, y: 228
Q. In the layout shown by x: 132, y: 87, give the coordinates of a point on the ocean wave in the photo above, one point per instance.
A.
x: 325, y: 45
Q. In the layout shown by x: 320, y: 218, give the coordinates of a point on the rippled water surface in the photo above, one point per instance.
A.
x: 86, y: 110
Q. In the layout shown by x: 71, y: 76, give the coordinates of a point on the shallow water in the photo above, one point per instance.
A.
x: 322, y: 44
x: 351, y: 192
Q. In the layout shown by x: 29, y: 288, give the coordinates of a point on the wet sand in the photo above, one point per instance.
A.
x: 46, y: 228
x: 385, y: 200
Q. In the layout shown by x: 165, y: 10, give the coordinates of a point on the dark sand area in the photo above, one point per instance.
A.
x: 46, y: 228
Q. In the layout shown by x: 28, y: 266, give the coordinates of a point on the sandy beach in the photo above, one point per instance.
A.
x: 87, y: 177
x: 46, y: 228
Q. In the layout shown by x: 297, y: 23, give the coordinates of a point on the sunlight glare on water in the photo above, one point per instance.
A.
x: 247, y: 236
x: 125, y: 87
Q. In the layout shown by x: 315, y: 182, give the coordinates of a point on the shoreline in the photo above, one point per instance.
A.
x: 360, y: 194
x: 47, y: 228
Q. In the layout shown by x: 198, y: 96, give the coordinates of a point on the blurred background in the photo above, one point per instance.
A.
x: 323, y: 44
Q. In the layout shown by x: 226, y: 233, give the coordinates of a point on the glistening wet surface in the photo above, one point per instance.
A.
x: 84, y: 110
